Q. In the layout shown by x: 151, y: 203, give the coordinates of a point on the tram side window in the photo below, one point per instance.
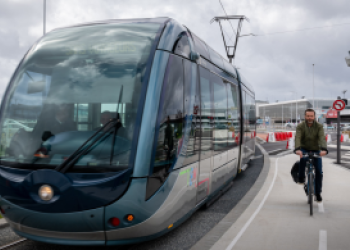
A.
x: 169, y: 138
x: 233, y: 116
x: 27, y: 100
x: 182, y: 47
x: 191, y: 130
x: 252, y: 118
x: 206, y: 114
x: 220, y: 109
x: 244, y: 117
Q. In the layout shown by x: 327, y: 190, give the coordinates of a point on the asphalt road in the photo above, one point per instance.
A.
x: 183, y: 237
x: 274, y: 148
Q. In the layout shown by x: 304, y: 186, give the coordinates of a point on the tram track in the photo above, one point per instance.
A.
x: 14, y: 243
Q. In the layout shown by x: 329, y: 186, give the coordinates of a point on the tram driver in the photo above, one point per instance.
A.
x: 105, y: 117
x: 54, y: 120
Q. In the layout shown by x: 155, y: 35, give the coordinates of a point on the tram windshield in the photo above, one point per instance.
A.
x: 69, y: 85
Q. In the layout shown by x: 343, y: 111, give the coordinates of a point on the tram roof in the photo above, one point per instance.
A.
x: 161, y: 20
x: 170, y: 36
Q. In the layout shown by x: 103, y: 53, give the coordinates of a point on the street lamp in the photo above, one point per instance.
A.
x: 347, y: 60
x: 44, y: 17
x: 344, y: 91
x: 313, y: 86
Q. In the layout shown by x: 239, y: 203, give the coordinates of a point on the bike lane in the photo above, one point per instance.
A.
x: 279, y: 216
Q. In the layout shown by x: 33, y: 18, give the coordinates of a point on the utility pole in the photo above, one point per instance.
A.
x: 44, y: 17
x: 313, y: 86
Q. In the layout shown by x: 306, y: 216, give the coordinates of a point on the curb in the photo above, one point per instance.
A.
x: 260, y: 139
x: 3, y: 223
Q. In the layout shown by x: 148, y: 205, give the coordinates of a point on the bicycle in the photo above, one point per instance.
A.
x: 310, y: 172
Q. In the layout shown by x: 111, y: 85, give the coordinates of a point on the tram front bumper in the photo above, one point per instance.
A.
x: 78, y: 228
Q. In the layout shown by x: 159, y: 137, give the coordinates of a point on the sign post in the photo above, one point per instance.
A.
x: 338, y: 105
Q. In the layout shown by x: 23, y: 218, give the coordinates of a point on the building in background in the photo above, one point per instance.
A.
x: 293, y: 111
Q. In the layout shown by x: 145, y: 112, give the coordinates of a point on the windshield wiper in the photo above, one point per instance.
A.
x: 116, y: 127
x: 74, y: 157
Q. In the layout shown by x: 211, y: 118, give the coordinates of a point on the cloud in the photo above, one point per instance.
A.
x: 273, y: 64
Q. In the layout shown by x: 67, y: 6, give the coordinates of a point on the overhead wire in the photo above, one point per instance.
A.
x: 300, y: 30
x: 234, y: 31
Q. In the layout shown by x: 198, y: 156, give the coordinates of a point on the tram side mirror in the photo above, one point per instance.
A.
x: 36, y: 86
x: 194, y: 56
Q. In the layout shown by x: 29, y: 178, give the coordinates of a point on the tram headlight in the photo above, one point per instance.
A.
x: 46, y: 193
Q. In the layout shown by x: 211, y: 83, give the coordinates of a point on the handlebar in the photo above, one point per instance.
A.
x: 311, y: 155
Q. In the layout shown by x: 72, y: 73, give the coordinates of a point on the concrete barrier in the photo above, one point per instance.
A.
x: 271, y: 137
x: 290, y: 144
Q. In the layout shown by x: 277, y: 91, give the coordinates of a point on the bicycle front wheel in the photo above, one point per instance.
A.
x: 311, y: 192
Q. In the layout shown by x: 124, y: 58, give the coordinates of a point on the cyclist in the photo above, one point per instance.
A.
x: 310, y: 137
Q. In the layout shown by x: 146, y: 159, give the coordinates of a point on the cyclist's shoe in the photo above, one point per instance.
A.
x: 305, y: 189
x: 318, y: 198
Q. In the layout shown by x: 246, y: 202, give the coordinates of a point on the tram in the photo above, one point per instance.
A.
x: 124, y: 129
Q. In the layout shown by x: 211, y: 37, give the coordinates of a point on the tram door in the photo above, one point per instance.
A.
x: 206, y: 134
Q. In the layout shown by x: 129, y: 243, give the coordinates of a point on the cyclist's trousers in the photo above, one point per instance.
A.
x: 318, y: 170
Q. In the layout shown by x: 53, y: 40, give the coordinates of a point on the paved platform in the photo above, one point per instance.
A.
x: 278, y: 217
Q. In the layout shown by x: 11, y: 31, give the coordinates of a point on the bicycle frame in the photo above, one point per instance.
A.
x: 310, y: 170
x: 311, y: 178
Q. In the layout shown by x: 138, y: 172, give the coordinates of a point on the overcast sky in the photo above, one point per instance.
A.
x: 276, y: 64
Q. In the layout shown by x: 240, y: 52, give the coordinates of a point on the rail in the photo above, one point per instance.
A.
x: 13, y: 244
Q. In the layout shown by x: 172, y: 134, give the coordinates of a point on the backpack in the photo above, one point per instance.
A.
x: 295, y: 171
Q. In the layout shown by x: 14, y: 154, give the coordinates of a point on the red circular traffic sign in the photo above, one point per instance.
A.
x: 339, y: 105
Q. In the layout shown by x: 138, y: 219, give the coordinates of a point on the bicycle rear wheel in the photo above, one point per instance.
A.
x: 311, y: 192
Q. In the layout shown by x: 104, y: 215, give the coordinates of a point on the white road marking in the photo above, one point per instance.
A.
x: 323, y: 240
x: 320, y: 207
x: 246, y: 225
